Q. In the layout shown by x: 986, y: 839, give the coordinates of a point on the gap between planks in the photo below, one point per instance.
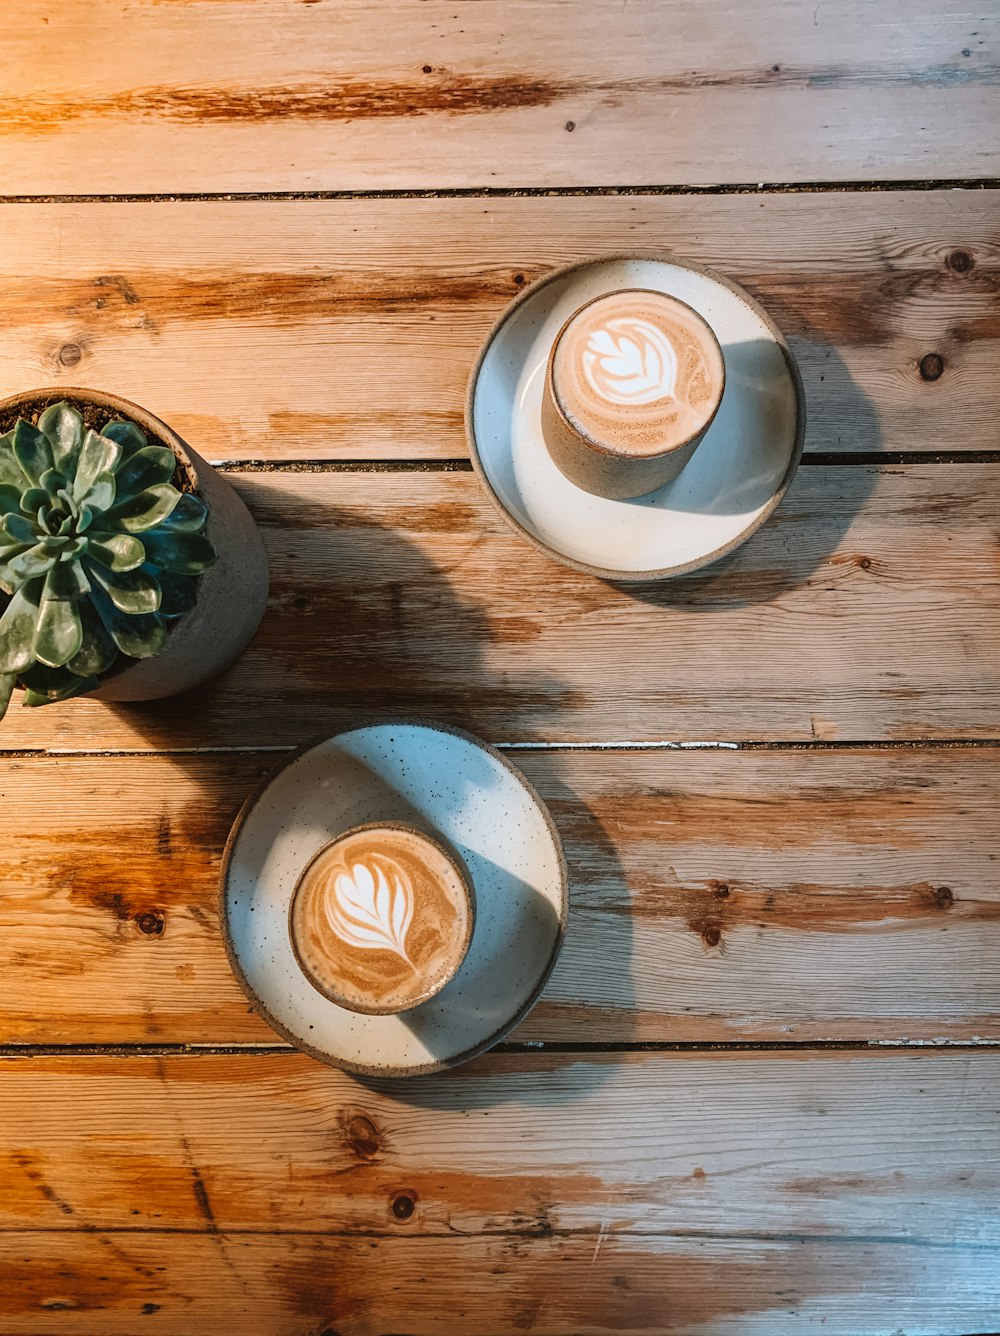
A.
x: 661, y: 745
x: 878, y: 458
x: 583, y: 1048
x: 513, y: 192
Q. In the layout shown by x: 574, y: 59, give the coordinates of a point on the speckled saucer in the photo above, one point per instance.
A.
x: 447, y: 783
x: 736, y: 477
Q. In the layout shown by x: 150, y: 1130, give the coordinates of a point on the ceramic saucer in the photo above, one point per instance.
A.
x: 736, y: 477
x: 442, y: 780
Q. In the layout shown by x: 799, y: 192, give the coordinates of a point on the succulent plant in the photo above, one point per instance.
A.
x: 99, y: 553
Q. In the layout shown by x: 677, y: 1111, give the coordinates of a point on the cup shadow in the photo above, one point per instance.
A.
x: 775, y: 561
x: 597, y: 948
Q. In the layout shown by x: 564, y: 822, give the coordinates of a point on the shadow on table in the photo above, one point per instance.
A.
x: 588, y: 1004
x: 361, y: 623
x: 784, y: 554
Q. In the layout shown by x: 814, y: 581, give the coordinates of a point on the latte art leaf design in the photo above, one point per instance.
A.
x: 371, y: 907
x: 630, y: 361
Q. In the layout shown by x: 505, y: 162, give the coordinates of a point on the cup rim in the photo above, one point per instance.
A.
x: 454, y: 860
x: 601, y: 447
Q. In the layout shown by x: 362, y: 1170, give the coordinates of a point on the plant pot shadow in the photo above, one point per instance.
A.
x: 361, y: 623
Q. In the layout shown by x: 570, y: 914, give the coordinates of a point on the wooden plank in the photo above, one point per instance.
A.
x: 834, y: 1144
x: 140, y: 96
x: 867, y: 608
x: 347, y: 329
x: 222, y: 1284
x: 785, y: 895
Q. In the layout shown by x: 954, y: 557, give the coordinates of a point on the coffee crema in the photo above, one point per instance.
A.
x: 381, y: 918
x: 637, y: 372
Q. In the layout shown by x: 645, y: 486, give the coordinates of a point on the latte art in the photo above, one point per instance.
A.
x: 630, y: 362
x: 371, y: 906
x: 635, y: 373
x: 381, y: 918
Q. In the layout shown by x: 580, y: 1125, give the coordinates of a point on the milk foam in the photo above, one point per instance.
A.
x: 381, y: 918
x: 630, y: 361
x: 636, y: 371
x: 371, y: 906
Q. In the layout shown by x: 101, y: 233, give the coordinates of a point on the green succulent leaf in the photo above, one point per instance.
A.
x: 127, y: 435
x: 178, y: 593
x: 67, y: 579
x: 17, y: 628
x: 145, y: 511
x: 35, y: 561
x: 53, y: 481
x: 33, y: 499
x: 65, y: 499
x: 98, y: 455
x: 10, y: 470
x: 98, y: 651
x: 117, y: 551
x: 16, y: 529
x: 130, y: 591
x: 99, y: 497
x: 140, y: 637
x: 63, y: 425
x: 188, y: 516
x: 11, y: 499
x: 183, y: 553
x: 32, y: 451
x: 46, y: 685
x: 7, y: 683
x: 59, y: 631
x: 145, y: 469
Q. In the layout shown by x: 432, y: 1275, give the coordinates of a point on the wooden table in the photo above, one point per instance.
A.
x: 761, y: 1093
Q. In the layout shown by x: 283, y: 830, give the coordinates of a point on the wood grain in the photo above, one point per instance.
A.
x: 214, y: 95
x: 223, y: 1284
x: 840, y: 1145
x: 785, y: 895
x: 347, y: 329
x: 710, y: 1193
x: 867, y: 608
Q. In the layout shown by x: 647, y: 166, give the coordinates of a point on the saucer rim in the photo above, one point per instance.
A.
x: 364, y: 722
x: 610, y: 574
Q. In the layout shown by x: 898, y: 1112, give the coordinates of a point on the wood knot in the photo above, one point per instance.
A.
x: 518, y: 279
x: 944, y: 897
x: 428, y: 69
x: 711, y: 934
x: 865, y: 563
x: 70, y: 354
x: 403, y: 1205
x: 960, y: 261
x: 151, y: 924
x: 722, y: 892
x: 571, y: 126
x: 931, y: 366
x: 362, y: 1137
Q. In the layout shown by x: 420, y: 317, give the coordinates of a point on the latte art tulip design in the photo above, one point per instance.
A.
x: 371, y: 907
x: 630, y: 361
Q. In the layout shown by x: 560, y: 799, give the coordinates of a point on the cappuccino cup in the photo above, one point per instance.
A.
x: 633, y: 381
x: 381, y: 918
